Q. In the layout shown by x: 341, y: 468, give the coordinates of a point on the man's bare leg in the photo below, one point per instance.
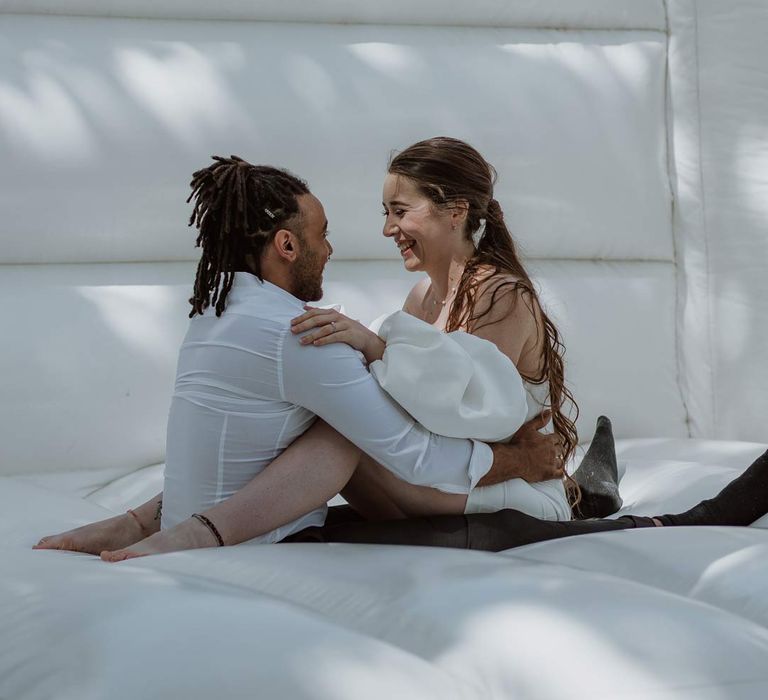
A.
x: 112, y: 533
x: 315, y: 468
x: 308, y: 474
x: 304, y: 477
x: 374, y: 492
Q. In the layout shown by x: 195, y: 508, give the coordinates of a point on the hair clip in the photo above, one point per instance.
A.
x: 269, y: 213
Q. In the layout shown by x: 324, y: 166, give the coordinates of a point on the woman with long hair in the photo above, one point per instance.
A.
x: 440, y: 211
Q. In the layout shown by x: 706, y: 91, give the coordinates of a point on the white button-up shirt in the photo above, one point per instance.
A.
x: 246, y: 389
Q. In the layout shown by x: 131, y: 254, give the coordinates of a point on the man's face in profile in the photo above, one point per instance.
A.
x: 315, y: 250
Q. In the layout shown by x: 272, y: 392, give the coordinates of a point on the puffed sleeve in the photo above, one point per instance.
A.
x: 454, y: 384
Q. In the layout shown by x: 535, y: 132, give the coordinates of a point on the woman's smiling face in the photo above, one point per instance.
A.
x: 413, y: 222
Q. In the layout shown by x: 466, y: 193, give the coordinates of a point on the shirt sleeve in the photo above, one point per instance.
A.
x: 333, y: 383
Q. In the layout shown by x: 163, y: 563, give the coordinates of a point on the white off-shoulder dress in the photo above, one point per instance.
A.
x: 459, y: 385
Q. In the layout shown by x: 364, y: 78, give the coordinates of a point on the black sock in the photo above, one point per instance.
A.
x: 598, y: 476
x: 742, y: 502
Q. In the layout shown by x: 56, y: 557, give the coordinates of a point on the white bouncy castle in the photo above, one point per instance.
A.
x: 631, y: 141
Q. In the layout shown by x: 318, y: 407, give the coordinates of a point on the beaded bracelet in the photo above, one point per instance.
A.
x: 205, y: 521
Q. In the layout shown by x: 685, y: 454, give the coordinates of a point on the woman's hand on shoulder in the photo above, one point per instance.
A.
x: 331, y: 326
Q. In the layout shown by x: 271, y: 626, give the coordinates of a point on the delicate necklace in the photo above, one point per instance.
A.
x: 443, y: 302
x: 452, y: 291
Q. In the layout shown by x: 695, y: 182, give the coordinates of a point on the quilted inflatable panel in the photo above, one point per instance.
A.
x: 89, y: 386
x: 105, y: 120
x: 334, y: 620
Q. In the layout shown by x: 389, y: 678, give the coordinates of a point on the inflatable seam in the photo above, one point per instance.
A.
x: 679, y: 364
x: 704, y: 228
x: 341, y: 22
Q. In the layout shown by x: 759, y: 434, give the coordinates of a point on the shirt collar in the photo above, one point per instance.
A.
x: 248, y: 283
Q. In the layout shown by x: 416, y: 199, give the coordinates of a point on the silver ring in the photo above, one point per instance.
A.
x: 333, y: 325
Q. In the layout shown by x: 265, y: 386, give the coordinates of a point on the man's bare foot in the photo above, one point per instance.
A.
x: 190, y: 534
x: 112, y: 533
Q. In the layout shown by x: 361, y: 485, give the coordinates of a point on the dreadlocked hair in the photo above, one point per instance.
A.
x: 451, y: 173
x: 238, y: 209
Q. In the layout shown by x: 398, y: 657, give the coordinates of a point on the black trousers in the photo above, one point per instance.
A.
x: 491, y: 532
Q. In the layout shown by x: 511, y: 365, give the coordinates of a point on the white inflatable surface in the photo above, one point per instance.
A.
x: 662, y: 613
x: 630, y: 141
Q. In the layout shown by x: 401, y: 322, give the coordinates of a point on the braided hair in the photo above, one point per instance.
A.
x: 238, y: 209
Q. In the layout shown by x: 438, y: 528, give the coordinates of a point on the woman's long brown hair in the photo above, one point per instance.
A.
x: 452, y: 173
